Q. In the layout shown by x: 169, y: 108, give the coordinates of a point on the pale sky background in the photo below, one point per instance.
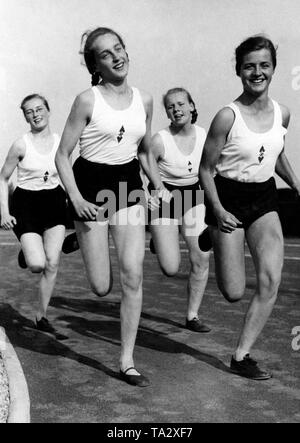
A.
x: 170, y: 43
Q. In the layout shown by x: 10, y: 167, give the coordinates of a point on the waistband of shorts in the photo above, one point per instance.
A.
x: 58, y: 188
x: 133, y: 164
x: 169, y: 187
x: 244, y: 186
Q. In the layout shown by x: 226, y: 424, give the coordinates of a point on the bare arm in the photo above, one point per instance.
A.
x: 213, y: 146
x: 79, y: 117
x: 157, y: 147
x: 145, y: 153
x: 15, y: 154
x: 283, y: 167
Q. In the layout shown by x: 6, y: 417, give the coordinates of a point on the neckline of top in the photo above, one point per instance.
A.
x: 111, y: 107
x: 250, y: 130
x: 177, y: 147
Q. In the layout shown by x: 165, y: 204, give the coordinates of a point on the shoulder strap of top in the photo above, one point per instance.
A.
x: 277, y: 113
x: 238, y: 119
x: 136, y: 93
x: 56, y: 140
x: 167, y: 139
x: 28, y: 142
x: 200, y: 131
x: 98, y: 95
x: 235, y: 109
x: 25, y: 138
x: 278, y: 119
x: 137, y: 99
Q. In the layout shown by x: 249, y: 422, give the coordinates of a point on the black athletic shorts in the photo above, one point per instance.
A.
x: 37, y: 211
x: 108, y: 185
x: 246, y: 201
x: 189, y: 197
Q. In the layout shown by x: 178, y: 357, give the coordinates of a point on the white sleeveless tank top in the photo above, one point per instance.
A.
x: 37, y: 171
x: 112, y: 136
x: 250, y: 156
x: 176, y: 168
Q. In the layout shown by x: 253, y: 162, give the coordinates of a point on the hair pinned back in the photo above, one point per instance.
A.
x: 82, y: 45
x: 87, y: 50
x: 189, y: 97
x: 254, y: 43
x: 33, y: 96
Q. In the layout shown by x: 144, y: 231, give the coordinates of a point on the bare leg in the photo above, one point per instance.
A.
x: 192, y: 226
x: 165, y: 235
x: 128, y: 232
x: 33, y: 250
x: 94, y: 247
x: 265, y: 241
x: 53, y: 239
x: 229, y: 255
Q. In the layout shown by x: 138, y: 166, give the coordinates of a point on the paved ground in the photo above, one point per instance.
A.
x: 76, y: 380
x: 4, y: 392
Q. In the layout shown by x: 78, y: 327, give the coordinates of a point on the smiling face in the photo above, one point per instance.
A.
x: 257, y: 71
x: 111, y: 57
x: 36, y: 114
x: 178, y: 108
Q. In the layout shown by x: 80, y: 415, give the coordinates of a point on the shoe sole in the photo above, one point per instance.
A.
x: 262, y: 378
x: 131, y: 382
x: 199, y: 332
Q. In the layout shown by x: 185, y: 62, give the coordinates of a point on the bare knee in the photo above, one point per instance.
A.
x: 51, y: 266
x: 36, y: 267
x: 101, y: 289
x: 199, y: 264
x: 169, y: 271
x: 131, y: 279
x: 102, y: 286
x: 268, y: 285
x: 169, y: 267
x: 232, y: 295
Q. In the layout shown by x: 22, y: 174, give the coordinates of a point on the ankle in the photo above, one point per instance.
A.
x: 125, y: 364
x: 191, y: 315
x: 239, y: 355
x: 40, y: 315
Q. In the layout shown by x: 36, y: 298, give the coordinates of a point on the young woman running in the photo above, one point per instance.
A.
x: 38, y: 208
x: 178, y: 149
x: 112, y: 122
x: 245, y: 146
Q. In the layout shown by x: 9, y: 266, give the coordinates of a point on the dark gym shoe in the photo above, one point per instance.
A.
x: 135, y: 380
x: 44, y: 326
x: 196, y: 325
x: 204, y: 241
x: 151, y: 246
x: 21, y: 260
x: 70, y: 244
x: 248, y: 368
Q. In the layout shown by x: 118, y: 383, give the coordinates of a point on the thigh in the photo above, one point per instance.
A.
x: 166, y: 242
x: 229, y: 255
x: 33, y: 249
x: 192, y: 226
x: 265, y: 240
x: 94, y: 247
x: 128, y: 231
x: 53, y: 239
x: 192, y: 222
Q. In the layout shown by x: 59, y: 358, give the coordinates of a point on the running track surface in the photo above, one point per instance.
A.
x: 76, y: 380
